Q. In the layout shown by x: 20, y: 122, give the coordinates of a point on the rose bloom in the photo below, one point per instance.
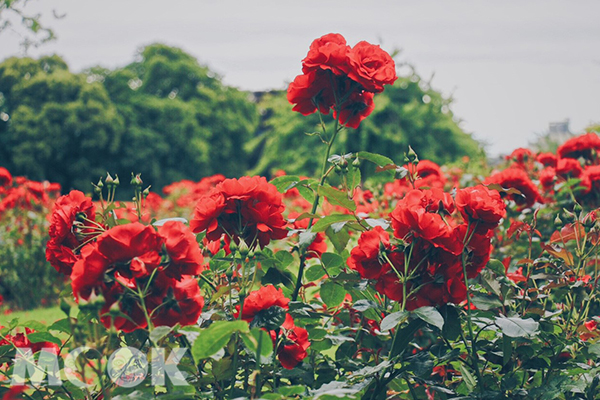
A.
x: 260, y: 300
x: 547, y: 159
x: 248, y: 208
x: 5, y: 177
x: 481, y: 206
x: 580, y: 146
x: 371, y: 66
x: 365, y: 257
x: 67, y: 232
x: 182, y: 304
x: 311, y: 92
x: 521, y: 155
x: 419, y: 214
x: 547, y: 176
x: 518, y: 179
x: 329, y: 52
x: 568, y: 168
x: 185, y: 256
x: 354, y: 110
x: 293, y: 350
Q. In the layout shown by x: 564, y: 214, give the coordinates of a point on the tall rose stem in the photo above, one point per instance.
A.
x: 316, y: 203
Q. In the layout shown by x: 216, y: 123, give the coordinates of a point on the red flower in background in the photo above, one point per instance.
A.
x: 581, y: 146
x: 547, y: 159
x: 521, y: 155
x: 318, y: 245
x: 568, y: 168
x: 481, y: 206
x: 518, y: 179
x: 248, y: 208
x: 5, y: 177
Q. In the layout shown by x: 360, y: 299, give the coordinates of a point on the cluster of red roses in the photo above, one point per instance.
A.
x: 292, y: 341
x: 248, y: 209
x: 424, y: 267
x: 138, y: 267
x: 576, y: 158
x: 343, y: 78
x: 20, y: 192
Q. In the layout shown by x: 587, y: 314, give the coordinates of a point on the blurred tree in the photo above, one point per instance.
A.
x: 407, y: 113
x: 54, y: 124
x: 181, y: 121
x: 32, y: 32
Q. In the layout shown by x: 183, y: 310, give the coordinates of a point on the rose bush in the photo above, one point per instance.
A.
x: 430, y: 282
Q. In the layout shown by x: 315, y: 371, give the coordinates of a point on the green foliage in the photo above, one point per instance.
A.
x: 405, y: 114
x: 60, y: 127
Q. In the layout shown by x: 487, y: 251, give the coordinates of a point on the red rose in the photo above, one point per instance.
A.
x: 568, y: 168
x: 581, y: 146
x: 311, y: 92
x: 5, y: 177
x: 547, y: 159
x: 293, y: 350
x: 248, y: 208
x: 520, y: 155
x: 547, y: 176
x: 482, y: 206
x: 329, y: 52
x: 68, y: 219
x: 518, y: 179
x: 183, y: 304
x: 419, y: 214
x: 365, y: 257
x: 358, y: 107
x: 260, y: 300
x: 185, y: 256
x: 130, y: 250
x: 371, y: 66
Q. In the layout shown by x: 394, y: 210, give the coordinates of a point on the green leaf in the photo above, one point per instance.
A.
x: 62, y: 325
x: 332, y: 263
x: 314, y: 273
x: 378, y: 159
x: 324, y: 223
x: 430, y: 315
x: 258, y: 340
x: 485, y: 302
x: 284, y: 258
x: 452, y: 328
x: 332, y: 294
x: 392, y: 320
x: 285, y: 182
x: 271, y: 318
x: 496, y: 266
x: 517, y: 327
x: 337, y: 197
x: 353, y: 178
x: 35, y: 325
x: 339, y: 239
x: 307, y: 193
x: 215, y: 337
x: 37, y: 337
x: 468, y: 378
x: 159, y: 332
x: 404, y: 336
x: 506, y: 349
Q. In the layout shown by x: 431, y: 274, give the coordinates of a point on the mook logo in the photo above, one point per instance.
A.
x: 126, y: 367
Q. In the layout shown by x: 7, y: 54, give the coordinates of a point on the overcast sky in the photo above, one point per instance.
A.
x: 511, y: 66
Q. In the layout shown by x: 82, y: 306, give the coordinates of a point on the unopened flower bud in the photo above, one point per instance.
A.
x: 356, y: 163
x: 109, y: 180
x: 577, y: 208
x: 136, y: 180
x: 557, y: 221
x: 114, y: 310
x: 338, y: 169
x: 116, y: 181
x: 233, y: 247
x: 412, y: 156
x: 100, y: 184
x: 243, y: 248
x: 146, y: 191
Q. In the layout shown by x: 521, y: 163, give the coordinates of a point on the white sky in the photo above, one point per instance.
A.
x: 511, y: 66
